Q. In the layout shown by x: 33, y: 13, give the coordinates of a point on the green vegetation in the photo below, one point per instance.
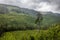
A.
x: 51, y: 18
x: 17, y: 21
x: 26, y: 28
x: 51, y: 34
x: 19, y: 24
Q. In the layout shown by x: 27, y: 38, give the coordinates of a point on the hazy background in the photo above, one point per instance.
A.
x: 39, y: 5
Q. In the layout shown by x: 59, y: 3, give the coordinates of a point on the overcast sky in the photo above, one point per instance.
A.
x: 39, y: 5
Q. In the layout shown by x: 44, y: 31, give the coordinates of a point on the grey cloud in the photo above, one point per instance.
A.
x: 53, y: 5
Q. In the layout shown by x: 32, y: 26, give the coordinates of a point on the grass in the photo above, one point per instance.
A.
x: 50, y: 34
x: 19, y: 35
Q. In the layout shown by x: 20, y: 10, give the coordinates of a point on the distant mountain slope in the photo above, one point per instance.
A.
x: 48, y: 17
x: 51, y: 18
x: 17, y: 9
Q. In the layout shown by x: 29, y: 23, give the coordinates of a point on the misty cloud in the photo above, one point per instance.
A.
x: 38, y: 5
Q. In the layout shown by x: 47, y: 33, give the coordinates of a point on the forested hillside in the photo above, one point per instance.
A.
x: 50, y: 18
x: 19, y: 24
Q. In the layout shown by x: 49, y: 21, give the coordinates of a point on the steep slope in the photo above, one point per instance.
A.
x: 51, y: 18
